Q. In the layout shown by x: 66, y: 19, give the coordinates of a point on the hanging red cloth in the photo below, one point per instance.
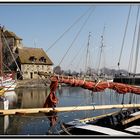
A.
x: 51, y: 101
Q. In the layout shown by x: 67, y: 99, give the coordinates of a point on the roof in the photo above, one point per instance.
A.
x: 26, y: 53
x: 11, y: 34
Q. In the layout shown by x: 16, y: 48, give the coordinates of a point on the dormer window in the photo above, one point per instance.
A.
x: 42, y: 59
x: 32, y: 58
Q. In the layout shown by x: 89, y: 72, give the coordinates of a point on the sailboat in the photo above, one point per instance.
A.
x: 7, y: 81
x: 124, y: 122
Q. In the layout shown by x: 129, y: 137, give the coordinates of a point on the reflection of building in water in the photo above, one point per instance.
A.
x: 12, y: 98
x: 4, y: 120
x: 31, y: 124
x: 4, y: 123
x: 31, y: 98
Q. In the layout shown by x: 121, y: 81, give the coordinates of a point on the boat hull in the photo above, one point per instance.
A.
x: 122, y: 123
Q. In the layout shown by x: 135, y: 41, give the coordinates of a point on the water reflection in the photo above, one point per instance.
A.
x: 38, y: 124
x: 12, y: 98
x: 10, y: 101
x: 31, y: 98
x: 4, y: 123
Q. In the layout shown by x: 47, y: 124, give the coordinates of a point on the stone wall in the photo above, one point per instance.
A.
x: 30, y: 71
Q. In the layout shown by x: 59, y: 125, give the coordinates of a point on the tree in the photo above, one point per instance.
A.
x: 57, y: 70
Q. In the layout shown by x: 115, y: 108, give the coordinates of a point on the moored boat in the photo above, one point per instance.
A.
x: 7, y: 81
x: 123, y: 123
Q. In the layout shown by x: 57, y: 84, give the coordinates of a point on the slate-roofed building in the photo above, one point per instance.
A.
x: 33, y: 60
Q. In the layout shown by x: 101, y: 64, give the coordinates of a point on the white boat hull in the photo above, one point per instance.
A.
x: 4, y: 103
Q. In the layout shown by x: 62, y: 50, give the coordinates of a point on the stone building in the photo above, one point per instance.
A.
x: 33, y: 60
x: 29, y: 60
x: 12, y: 39
x: 10, y: 42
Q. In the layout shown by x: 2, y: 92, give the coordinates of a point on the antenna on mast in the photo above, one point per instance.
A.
x: 87, y: 52
x: 101, y: 49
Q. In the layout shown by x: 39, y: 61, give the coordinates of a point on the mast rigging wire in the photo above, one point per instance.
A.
x: 73, y: 24
x: 11, y: 53
x: 133, y: 42
x: 124, y: 36
x: 132, y: 52
x: 126, y: 26
x: 137, y: 50
x: 76, y: 36
x: 101, y: 49
x: 87, y: 52
x: 75, y: 56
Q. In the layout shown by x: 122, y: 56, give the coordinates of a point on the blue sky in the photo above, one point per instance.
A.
x: 39, y: 25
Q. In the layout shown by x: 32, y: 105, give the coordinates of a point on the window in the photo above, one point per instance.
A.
x: 42, y: 59
x: 32, y: 58
x: 31, y: 75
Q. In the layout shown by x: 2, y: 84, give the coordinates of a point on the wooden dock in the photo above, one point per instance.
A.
x: 65, y: 109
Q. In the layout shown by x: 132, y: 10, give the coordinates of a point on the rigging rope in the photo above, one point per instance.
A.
x: 132, y: 52
x: 133, y: 42
x: 101, y: 50
x: 74, y: 57
x: 124, y: 36
x: 137, y: 50
x: 11, y: 53
x: 87, y: 52
x: 76, y: 36
x: 126, y: 26
x: 6, y: 66
x: 77, y: 20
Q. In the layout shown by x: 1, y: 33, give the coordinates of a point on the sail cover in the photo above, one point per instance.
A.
x: 102, y: 85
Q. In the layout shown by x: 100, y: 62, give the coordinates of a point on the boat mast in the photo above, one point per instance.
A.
x: 0, y: 51
x: 101, y: 51
x: 87, y: 52
x: 137, y: 51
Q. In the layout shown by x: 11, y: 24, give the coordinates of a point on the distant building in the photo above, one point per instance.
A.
x: 12, y: 39
x: 10, y: 42
x: 33, y: 60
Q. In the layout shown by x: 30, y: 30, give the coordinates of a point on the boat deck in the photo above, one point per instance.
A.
x: 104, y: 130
x: 135, y: 129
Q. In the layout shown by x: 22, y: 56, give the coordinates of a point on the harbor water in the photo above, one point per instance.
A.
x: 39, y: 124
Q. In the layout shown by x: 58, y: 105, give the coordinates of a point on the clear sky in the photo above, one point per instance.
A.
x: 40, y: 25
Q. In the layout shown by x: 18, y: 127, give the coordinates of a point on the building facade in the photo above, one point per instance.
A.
x: 32, y: 61
x: 29, y: 61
